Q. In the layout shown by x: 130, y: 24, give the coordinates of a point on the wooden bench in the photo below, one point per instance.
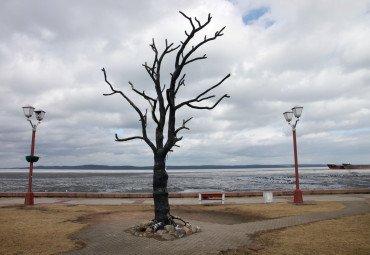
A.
x: 211, y: 196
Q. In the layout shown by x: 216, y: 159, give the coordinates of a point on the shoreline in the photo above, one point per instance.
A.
x: 181, y: 195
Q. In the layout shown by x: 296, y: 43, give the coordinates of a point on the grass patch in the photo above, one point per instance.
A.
x: 345, y: 236
x: 46, y: 229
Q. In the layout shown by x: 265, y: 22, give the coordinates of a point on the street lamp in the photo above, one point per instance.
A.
x: 297, y: 112
x: 28, y: 112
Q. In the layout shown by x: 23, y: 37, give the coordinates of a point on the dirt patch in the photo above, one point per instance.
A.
x: 226, y: 218
x: 198, y: 213
x: 220, y: 214
x: 345, y: 236
x: 114, y: 216
x: 349, y: 235
x: 32, y: 227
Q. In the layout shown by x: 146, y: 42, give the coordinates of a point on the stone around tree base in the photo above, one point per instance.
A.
x: 168, y: 233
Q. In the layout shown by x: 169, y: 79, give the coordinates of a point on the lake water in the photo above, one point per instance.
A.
x: 140, y: 181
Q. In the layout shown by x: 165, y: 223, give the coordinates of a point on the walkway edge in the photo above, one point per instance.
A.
x: 180, y: 195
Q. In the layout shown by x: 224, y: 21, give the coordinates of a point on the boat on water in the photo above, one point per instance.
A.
x: 348, y: 166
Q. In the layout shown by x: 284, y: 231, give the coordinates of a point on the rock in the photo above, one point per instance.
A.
x: 194, y: 229
x: 168, y: 233
x: 160, y: 232
x: 168, y: 237
x: 187, y: 230
x: 157, y: 236
x: 144, y: 225
x: 180, y: 233
x: 169, y: 228
x: 132, y: 231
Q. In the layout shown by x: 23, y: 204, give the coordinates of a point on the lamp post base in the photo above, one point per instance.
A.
x: 298, y: 199
x: 29, y: 199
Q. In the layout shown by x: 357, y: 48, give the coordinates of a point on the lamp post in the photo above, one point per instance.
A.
x: 28, y: 112
x: 297, y: 112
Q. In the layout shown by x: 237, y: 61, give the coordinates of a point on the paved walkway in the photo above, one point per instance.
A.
x: 4, y: 201
x: 110, y: 238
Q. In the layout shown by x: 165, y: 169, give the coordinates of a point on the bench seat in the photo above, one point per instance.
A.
x: 212, y: 196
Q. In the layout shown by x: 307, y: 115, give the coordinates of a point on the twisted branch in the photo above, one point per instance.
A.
x: 200, y: 97
x: 183, y: 126
x: 151, y: 101
x: 142, y: 117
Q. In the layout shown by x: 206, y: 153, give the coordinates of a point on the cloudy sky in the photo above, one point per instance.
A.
x: 279, y: 53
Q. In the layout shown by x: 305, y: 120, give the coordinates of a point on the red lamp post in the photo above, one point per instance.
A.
x: 28, y: 112
x: 297, y: 111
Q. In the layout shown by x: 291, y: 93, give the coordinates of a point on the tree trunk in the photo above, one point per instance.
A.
x: 160, y: 193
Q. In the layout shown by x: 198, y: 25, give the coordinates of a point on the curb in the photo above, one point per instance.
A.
x: 181, y: 195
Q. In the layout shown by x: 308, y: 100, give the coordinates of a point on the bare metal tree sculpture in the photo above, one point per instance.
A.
x: 164, y: 108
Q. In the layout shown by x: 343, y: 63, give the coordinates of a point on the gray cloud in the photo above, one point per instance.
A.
x: 288, y: 53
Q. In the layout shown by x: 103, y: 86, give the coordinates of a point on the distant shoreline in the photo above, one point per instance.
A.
x: 128, y: 167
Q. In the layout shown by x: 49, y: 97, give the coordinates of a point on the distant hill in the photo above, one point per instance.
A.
x: 127, y: 167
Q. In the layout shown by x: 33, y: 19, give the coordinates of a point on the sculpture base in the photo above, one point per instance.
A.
x: 298, y: 199
x: 29, y: 199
